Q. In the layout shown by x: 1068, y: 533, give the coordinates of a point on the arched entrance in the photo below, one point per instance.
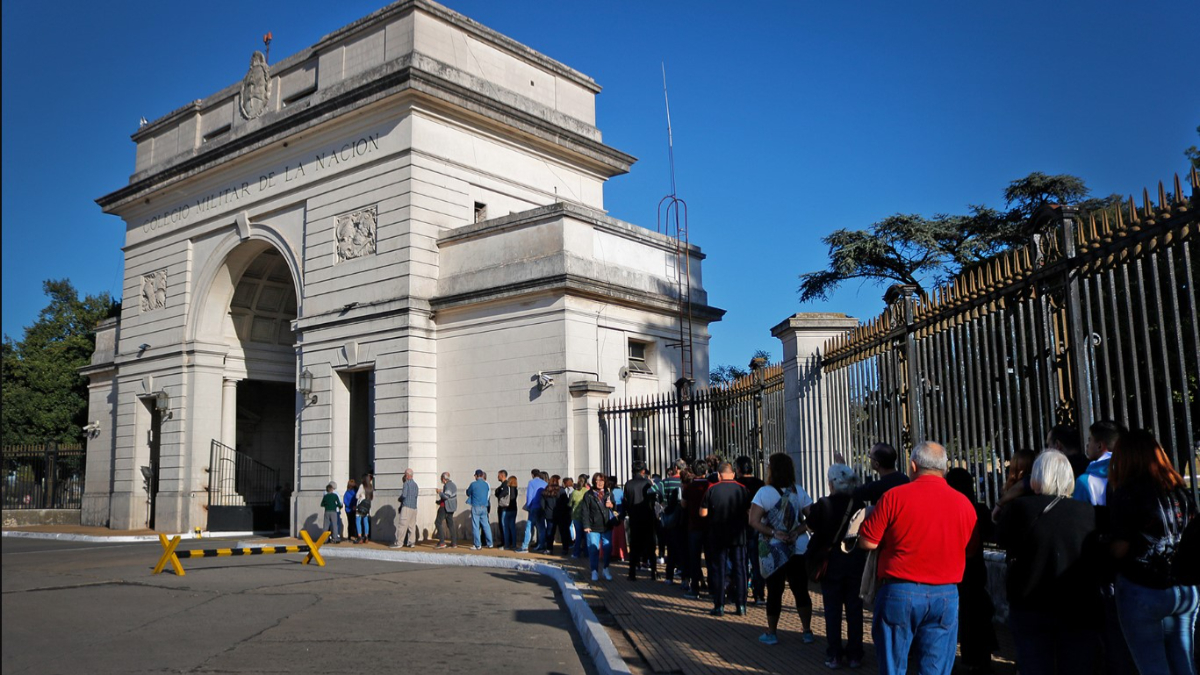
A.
x: 249, y: 311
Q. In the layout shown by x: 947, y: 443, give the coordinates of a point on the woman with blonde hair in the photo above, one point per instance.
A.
x: 841, y: 579
x: 1053, y: 573
x: 362, y: 508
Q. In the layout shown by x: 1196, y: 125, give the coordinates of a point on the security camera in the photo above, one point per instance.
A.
x: 544, y: 380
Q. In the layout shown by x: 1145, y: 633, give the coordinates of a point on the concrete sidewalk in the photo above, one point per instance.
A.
x: 664, y: 632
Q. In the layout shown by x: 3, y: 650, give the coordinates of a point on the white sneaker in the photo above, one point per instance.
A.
x: 607, y: 576
x: 595, y: 577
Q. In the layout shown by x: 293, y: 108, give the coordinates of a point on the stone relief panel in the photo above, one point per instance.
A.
x: 154, y: 290
x: 256, y: 87
x: 356, y: 234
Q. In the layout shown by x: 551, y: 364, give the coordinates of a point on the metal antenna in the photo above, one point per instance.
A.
x: 672, y: 221
x: 670, y: 137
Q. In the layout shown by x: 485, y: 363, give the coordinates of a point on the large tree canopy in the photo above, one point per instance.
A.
x: 44, y: 397
x: 919, y: 250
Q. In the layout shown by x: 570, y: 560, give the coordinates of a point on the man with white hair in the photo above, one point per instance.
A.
x: 921, y: 530
x: 447, y: 504
x: 408, y: 513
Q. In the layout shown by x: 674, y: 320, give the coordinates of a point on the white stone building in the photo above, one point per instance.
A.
x: 411, y: 212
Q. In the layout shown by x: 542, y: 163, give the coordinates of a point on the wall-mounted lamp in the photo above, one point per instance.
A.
x: 162, y: 403
x: 306, y: 388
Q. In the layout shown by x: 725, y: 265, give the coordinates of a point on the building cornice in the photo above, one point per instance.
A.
x: 415, y: 74
x: 552, y: 212
x: 572, y: 284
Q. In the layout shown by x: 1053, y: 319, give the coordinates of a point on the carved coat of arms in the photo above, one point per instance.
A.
x: 356, y: 234
x: 256, y: 87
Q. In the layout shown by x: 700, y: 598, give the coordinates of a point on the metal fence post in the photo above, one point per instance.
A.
x: 1079, y: 360
x: 914, y: 400
x: 51, y: 467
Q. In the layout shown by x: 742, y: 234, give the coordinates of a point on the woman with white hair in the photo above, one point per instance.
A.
x: 842, y: 578
x: 1053, y: 572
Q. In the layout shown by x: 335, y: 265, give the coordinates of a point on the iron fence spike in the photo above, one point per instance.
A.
x: 1178, y: 190
x: 1162, y: 196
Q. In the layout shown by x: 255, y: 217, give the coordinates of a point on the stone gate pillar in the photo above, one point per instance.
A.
x: 587, y: 448
x: 809, y: 417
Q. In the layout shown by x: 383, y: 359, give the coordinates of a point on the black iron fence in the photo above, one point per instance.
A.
x: 1096, y: 319
x: 236, y: 479
x: 743, y: 418
x: 46, y: 476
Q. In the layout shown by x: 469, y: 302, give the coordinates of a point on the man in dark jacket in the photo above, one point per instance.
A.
x: 640, y: 497
x: 447, y: 505
x: 725, y: 505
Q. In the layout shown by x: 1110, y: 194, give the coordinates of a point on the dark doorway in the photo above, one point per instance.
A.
x: 361, y: 385
x: 154, y: 438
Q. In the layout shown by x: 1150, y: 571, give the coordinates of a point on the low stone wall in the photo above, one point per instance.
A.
x: 27, y: 517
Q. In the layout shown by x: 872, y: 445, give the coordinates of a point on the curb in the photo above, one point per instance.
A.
x: 116, y: 539
x: 599, y: 645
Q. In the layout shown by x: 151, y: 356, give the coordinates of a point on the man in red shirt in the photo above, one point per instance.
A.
x: 921, y: 531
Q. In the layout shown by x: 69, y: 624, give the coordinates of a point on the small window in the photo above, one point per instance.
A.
x: 480, y: 212
x: 217, y: 132
x: 299, y: 96
x: 637, y: 357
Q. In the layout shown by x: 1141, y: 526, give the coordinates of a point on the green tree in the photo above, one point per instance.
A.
x: 1193, y: 154
x: 728, y: 374
x: 44, y: 397
x: 919, y: 250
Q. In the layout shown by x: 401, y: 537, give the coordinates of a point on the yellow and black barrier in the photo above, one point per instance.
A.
x: 171, y: 555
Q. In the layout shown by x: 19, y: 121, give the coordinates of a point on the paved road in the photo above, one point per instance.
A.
x: 72, y: 607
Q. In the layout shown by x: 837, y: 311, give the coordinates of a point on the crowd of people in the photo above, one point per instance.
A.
x: 1094, y: 538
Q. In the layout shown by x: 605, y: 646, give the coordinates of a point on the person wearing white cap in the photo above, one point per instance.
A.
x: 478, y: 495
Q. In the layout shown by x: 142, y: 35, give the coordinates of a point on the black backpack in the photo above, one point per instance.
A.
x: 1185, y: 562
x: 1175, y: 557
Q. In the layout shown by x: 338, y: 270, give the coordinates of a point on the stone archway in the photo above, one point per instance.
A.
x: 247, y: 314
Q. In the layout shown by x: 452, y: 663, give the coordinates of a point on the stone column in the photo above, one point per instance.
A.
x: 229, y: 412
x: 586, y: 454
x: 809, y: 417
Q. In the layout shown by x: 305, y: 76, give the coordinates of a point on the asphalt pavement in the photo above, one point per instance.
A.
x: 75, y: 607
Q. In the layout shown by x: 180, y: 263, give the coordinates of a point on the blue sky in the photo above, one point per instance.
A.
x: 791, y: 119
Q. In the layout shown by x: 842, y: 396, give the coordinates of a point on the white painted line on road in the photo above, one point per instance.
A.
x: 117, y: 539
x: 599, y: 645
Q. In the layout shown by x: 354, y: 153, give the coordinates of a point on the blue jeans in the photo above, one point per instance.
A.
x: 1158, y: 625
x: 922, y: 613
x: 364, y: 526
x: 1048, y: 643
x: 599, y: 543
x: 534, y: 521
x: 839, y: 590
x: 579, y: 539
x: 480, y: 521
x: 508, y: 528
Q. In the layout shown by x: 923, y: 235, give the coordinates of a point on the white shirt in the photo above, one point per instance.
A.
x: 768, y: 498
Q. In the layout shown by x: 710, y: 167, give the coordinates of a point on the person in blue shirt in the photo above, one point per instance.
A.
x: 533, y: 510
x: 350, y: 500
x: 478, y: 494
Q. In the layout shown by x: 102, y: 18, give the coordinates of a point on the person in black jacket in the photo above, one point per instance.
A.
x: 976, y: 636
x: 639, y: 500
x: 829, y: 520
x: 1053, y: 572
x: 597, y: 518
